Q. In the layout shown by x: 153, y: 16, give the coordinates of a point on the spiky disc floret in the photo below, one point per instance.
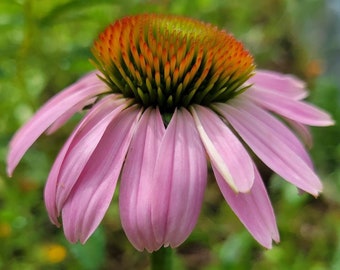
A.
x: 171, y: 61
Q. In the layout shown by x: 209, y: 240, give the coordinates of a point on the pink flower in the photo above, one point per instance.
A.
x: 168, y: 93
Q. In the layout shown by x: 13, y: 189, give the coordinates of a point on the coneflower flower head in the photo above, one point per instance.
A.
x: 169, y: 92
x: 171, y: 62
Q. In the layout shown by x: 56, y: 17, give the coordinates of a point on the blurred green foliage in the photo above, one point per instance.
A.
x: 45, y: 45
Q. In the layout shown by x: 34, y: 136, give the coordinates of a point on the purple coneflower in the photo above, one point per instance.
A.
x: 168, y: 94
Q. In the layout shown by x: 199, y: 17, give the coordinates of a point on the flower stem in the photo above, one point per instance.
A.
x: 162, y: 259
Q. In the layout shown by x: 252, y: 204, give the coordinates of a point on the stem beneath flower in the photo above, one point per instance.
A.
x: 162, y: 259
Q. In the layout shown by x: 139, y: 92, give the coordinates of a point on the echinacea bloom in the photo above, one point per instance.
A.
x: 168, y: 93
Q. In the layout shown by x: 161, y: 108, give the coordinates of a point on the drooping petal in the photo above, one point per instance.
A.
x: 180, y: 180
x: 225, y: 151
x: 80, y: 106
x: 301, y: 130
x: 277, y: 128
x: 275, y: 151
x: 67, y: 115
x: 84, y: 89
x: 137, y: 181
x: 296, y: 110
x: 90, y: 197
x: 84, y: 137
x: 253, y: 209
x: 274, y: 82
x: 51, y: 185
x: 84, y: 142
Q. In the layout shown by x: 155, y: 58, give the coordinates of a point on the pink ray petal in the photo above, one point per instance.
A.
x: 51, y: 185
x: 81, y: 106
x: 180, y: 178
x: 225, y: 151
x: 84, y: 89
x: 278, y: 129
x: 253, y: 209
x: 137, y: 181
x: 90, y: 197
x: 94, y: 122
x: 274, y: 82
x: 298, y: 111
x: 302, y: 131
x: 67, y: 115
x: 84, y: 143
x: 275, y: 152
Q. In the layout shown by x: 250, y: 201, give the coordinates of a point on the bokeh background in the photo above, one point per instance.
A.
x: 45, y: 46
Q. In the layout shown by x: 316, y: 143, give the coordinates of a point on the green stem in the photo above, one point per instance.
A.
x: 162, y: 259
